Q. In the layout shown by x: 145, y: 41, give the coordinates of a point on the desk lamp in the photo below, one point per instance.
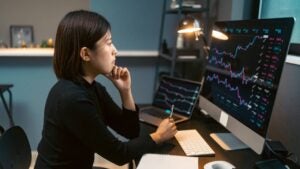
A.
x: 189, y: 24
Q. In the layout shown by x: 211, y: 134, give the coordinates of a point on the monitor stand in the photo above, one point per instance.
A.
x: 228, y: 141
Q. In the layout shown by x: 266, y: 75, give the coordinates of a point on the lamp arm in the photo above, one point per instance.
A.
x: 205, y: 47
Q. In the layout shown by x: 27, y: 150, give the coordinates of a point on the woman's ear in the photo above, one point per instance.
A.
x: 84, y: 54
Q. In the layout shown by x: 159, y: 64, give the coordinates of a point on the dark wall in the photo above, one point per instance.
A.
x: 135, y: 24
x: 285, y: 121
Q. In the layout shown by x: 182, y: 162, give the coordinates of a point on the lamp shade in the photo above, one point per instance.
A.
x: 219, y: 35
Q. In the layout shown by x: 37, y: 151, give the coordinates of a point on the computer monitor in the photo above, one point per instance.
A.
x: 242, y: 76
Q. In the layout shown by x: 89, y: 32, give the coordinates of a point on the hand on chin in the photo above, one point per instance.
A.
x: 120, y: 76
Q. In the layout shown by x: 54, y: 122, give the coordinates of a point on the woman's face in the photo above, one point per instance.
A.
x: 103, y: 57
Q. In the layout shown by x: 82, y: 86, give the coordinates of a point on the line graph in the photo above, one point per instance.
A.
x: 181, y: 94
x: 229, y: 86
x: 240, y: 47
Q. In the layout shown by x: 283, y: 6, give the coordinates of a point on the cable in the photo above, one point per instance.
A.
x: 290, y: 157
x: 279, y: 156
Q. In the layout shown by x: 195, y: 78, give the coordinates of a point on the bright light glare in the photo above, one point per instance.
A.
x: 189, y: 30
x: 215, y: 34
x: 219, y: 35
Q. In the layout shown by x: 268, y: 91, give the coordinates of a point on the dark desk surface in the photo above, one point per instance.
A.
x: 244, y: 159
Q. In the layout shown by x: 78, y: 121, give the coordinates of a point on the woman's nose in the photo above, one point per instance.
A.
x: 115, y: 51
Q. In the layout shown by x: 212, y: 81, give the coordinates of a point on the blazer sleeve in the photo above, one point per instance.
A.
x: 80, y: 117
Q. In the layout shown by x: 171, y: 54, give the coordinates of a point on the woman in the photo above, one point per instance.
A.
x: 79, y: 109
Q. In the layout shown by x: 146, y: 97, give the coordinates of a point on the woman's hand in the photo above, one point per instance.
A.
x: 121, y: 79
x: 165, y: 131
x: 120, y: 76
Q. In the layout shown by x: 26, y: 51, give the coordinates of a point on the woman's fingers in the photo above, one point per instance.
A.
x: 119, y: 72
x: 114, y: 71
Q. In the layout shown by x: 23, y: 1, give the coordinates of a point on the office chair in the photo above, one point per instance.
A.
x: 1, y: 131
x: 15, y: 151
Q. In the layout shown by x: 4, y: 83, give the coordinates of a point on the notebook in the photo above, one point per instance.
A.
x: 181, y: 93
x: 164, y: 161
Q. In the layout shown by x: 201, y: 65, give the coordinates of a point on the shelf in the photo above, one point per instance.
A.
x: 26, y: 52
x: 48, y: 52
x: 181, y: 58
x: 187, y: 10
x: 192, y: 52
x: 166, y: 56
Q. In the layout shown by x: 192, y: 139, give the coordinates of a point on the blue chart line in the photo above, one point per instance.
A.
x: 183, y: 98
x: 220, y: 54
x: 239, y: 47
x: 179, y: 87
x: 230, y: 87
x: 186, y: 99
x: 241, y: 74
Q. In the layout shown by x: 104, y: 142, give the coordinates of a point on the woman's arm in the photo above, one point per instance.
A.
x: 120, y: 77
x: 82, y: 119
x: 124, y: 121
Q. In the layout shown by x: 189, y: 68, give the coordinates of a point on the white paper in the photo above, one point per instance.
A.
x: 163, y: 161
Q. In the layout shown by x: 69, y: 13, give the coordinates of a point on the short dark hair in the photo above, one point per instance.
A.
x: 76, y: 30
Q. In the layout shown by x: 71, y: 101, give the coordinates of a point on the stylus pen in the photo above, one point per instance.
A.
x: 172, y: 109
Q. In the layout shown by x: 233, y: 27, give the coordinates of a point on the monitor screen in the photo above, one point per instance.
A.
x: 243, y: 73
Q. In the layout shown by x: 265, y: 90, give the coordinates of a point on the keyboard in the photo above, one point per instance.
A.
x: 193, y: 143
